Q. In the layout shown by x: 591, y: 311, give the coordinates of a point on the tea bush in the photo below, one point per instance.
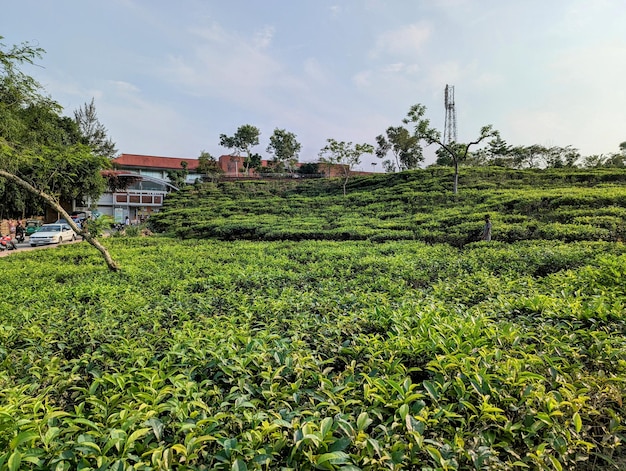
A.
x: 205, y: 354
x: 557, y: 204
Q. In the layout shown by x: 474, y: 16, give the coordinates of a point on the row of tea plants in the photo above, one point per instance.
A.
x: 563, y: 204
x: 314, y: 355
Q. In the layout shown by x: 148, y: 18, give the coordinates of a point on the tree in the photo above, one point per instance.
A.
x: 93, y: 132
x: 345, y: 156
x: 208, y: 166
x: 178, y: 178
x: 309, y: 169
x: 246, y: 137
x: 404, y: 147
x: 40, y: 151
x: 285, y: 148
x: 558, y: 157
x: 457, y: 152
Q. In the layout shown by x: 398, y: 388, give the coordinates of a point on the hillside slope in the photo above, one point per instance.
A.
x: 554, y: 204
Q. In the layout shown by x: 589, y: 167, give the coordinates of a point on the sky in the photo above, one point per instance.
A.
x: 168, y: 78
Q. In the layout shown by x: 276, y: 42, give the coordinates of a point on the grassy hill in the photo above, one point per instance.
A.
x: 554, y: 204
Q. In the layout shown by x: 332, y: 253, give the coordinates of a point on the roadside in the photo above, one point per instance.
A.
x: 25, y: 247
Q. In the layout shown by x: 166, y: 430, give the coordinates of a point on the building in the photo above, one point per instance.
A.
x: 156, y: 167
x: 143, y: 182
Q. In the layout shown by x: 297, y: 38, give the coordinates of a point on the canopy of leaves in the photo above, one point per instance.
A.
x: 93, y: 132
x: 246, y: 137
x: 405, y: 148
x: 38, y: 144
x: 285, y: 148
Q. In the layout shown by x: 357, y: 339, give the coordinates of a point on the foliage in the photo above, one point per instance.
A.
x: 246, y: 137
x: 404, y: 147
x: 39, y: 145
x: 208, y: 166
x: 285, y: 148
x: 344, y: 155
x: 42, y: 156
x: 557, y: 204
x: 309, y: 168
x: 93, y: 132
x: 456, y: 151
x: 314, y: 355
x: 179, y: 177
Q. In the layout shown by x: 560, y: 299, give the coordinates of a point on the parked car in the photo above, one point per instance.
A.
x: 32, y: 225
x: 52, y: 234
x: 77, y: 221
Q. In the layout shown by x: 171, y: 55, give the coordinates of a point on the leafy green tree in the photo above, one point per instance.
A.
x: 285, y: 148
x: 178, y: 178
x: 615, y: 161
x: 559, y: 157
x: 208, y: 166
x: 41, y: 152
x: 309, y: 168
x: 404, y: 146
x: 93, y: 132
x: 246, y: 137
x: 457, y: 152
x: 345, y: 156
x: 498, y: 153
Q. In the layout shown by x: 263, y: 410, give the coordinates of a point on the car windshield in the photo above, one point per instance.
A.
x: 50, y: 228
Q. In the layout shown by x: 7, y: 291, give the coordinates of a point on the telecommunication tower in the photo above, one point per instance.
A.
x: 449, y: 130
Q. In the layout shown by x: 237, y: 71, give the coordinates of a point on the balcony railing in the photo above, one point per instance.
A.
x: 139, y: 198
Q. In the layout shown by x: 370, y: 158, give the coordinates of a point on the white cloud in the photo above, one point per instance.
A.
x: 444, y: 72
x: 124, y: 87
x: 263, y: 38
x: 314, y: 71
x: 363, y: 79
x: 408, y: 41
x: 584, y: 102
x: 225, y: 65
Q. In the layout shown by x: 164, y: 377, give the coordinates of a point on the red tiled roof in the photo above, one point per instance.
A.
x: 152, y: 161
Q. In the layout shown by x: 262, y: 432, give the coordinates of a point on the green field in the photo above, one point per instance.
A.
x: 305, y: 353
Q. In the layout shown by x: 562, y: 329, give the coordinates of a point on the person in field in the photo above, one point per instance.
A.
x: 487, y: 229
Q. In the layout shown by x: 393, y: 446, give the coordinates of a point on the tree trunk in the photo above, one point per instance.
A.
x: 88, y: 237
x: 455, y: 187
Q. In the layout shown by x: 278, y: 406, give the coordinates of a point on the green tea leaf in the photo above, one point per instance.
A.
x: 336, y: 457
x: 239, y: 465
x: 15, y: 460
x: 578, y: 423
x: 23, y: 437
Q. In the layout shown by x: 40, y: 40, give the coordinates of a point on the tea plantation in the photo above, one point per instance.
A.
x: 276, y: 325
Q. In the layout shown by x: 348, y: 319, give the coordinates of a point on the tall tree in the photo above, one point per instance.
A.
x: 404, y: 146
x: 457, y: 152
x: 558, y: 157
x: 178, y: 177
x: 208, y: 166
x: 246, y: 137
x: 345, y: 156
x: 40, y: 151
x: 285, y: 148
x: 94, y: 134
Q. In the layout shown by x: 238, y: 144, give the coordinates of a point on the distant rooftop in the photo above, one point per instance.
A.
x: 153, y: 161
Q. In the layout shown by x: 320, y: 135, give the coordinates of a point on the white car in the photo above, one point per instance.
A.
x: 52, y: 234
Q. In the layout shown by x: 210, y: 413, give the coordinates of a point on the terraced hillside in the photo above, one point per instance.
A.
x: 556, y: 204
